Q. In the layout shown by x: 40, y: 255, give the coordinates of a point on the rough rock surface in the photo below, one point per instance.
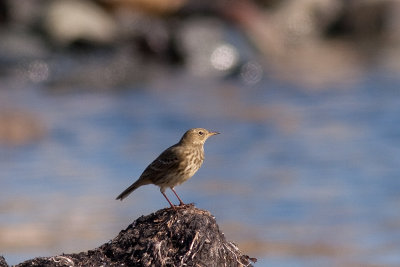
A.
x: 3, y: 262
x: 184, y: 237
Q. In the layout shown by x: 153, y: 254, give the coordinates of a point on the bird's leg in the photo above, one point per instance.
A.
x: 180, y: 200
x: 172, y: 206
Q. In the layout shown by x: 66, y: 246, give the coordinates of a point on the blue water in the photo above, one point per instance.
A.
x: 297, y: 177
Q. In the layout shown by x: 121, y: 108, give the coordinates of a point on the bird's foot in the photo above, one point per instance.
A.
x: 172, y: 208
x: 180, y: 206
x: 183, y: 205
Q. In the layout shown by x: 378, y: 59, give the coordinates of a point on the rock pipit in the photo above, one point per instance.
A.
x: 175, y: 165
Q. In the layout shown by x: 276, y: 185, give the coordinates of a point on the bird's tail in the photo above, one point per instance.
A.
x: 131, y: 188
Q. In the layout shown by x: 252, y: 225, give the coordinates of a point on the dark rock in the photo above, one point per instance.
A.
x: 3, y: 262
x: 183, y: 237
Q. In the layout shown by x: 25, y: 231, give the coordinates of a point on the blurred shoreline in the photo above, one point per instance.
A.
x: 108, y: 45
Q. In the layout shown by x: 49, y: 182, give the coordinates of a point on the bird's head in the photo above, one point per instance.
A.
x: 196, y: 136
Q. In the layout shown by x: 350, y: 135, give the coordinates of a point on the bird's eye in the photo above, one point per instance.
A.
x: 201, y: 133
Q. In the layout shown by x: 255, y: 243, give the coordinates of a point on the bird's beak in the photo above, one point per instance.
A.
x: 213, y: 133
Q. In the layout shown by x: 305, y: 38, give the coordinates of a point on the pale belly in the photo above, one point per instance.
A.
x: 177, y: 179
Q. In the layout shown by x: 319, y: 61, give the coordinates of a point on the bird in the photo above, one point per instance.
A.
x: 175, y: 165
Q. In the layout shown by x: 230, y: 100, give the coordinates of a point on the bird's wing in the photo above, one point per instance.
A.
x: 163, y: 164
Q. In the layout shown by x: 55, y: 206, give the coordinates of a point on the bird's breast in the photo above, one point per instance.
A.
x: 194, y: 160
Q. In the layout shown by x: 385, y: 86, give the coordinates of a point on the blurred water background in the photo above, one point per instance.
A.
x: 305, y: 95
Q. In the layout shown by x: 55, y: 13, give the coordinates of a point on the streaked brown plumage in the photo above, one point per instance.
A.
x: 175, y: 165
